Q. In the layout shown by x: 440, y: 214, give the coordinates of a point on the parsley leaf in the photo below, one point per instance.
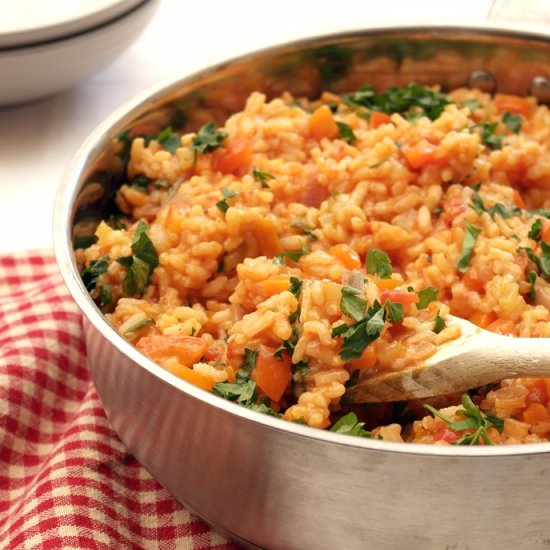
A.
x: 474, y: 420
x: 346, y: 133
x: 360, y: 334
x: 439, y: 323
x: 351, y: 305
x: 292, y: 255
x: 84, y: 241
x: 471, y: 104
x: 379, y: 264
x: 105, y: 296
x: 502, y: 211
x: 395, y: 311
x: 470, y: 238
x: 426, y: 296
x: 349, y: 425
x: 262, y: 177
x: 299, y: 223
x: 544, y: 262
x: 141, y: 324
x: 207, y: 139
x: 91, y: 274
x: 414, y: 99
x: 512, y: 121
x: 222, y: 205
x: 296, y: 286
x: 243, y: 390
x: 534, y: 232
x: 532, y: 277
x: 488, y: 136
x: 141, y: 183
x: 141, y: 264
x: 169, y: 140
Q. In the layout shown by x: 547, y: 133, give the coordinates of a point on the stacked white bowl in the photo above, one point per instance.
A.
x: 48, y: 46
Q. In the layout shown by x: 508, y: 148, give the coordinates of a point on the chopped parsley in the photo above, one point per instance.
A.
x: 472, y: 104
x: 207, y: 139
x: 296, y: 286
x: 287, y: 345
x: 414, y: 99
x: 299, y: 223
x: 488, y: 136
x: 91, y: 274
x: 243, y: 390
x: 470, y: 238
x: 512, y: 121
x: 141, y: 183
x: 531, y: 278
x: 426, y: 296
x: 222, y: 204
x: 502, y: 211
x: 361, y: 333
x: 474, y: 419
x: 379, y: 264
x: 84, y: 241
x: 169, y: 140
x: 349, y: 425
x: 346, y: 133
x: 395, y: 311
x: 262, y: 177
x: 351, y: 305
x: 534, y: 232
x: 105, y: 296
x: 139, y: 325
x: 141, y: 264
x: 292, y: 255
x: 439, y: 323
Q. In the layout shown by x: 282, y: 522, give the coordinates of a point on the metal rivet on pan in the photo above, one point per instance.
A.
x: 482, y: 80
x: 540, y: 88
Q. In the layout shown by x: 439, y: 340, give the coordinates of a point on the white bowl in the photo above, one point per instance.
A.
x: 34, y: 71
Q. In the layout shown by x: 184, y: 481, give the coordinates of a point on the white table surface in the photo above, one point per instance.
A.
x: 38, y: 140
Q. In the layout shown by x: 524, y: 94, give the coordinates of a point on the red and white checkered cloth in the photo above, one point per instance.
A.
x: 66, y: 480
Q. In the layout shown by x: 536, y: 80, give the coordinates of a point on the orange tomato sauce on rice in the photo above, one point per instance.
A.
x: 305, y: 244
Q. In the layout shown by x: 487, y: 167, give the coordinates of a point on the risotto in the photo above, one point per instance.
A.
x: 305, y: 245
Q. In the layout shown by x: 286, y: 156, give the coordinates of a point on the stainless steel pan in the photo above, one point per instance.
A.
x: 262, y: 481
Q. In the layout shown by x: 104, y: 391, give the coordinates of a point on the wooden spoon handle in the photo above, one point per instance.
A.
x: 482, y: 359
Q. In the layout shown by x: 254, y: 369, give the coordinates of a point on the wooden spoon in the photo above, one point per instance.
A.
x: 476, y: 358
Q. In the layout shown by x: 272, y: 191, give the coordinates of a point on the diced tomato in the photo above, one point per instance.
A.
x: 187, y: 349
x: 267, y: 237
x: 234, y: 157
x: 545, y: 231
x: 272, y: 375
x: 366, y: 361
x: 234, y: 354
x: 452, y: 208
x: 422, y: 154
x: 538, y: 393
x: 513, y: 104
x: 193, y: 377
x: 378, y: 118
x: 506, y: 327
x: 346, y: 256
x: 535, y: 413
x: 446, y: 435
x: 322, y: 124
x: 518, y: 199
x: 212, y: 354
x: 398, y: 296
x: 314, y: 194
x: 275, y: 285
x: 472, y: 281
x: 483, y: 318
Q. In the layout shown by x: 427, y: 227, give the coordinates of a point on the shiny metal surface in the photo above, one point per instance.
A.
x: 266, y: 482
